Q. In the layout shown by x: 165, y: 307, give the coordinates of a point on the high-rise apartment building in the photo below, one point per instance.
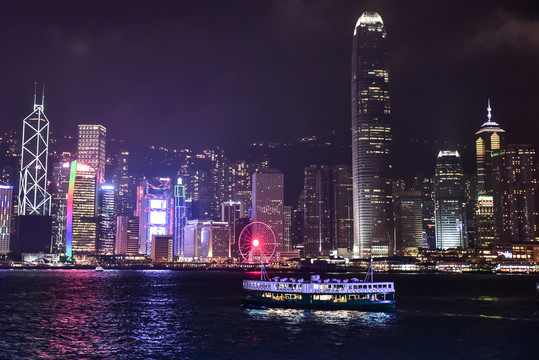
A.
x: 91, y: 148
x: 490, y: 141
x: 81, y: 224
x: 371, y: 139
x: 105, y: 220
x: 268, y: 202
x: 450, y: 201
x: 6, y: 211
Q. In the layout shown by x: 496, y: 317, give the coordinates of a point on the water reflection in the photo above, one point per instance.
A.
x: 333, y: 317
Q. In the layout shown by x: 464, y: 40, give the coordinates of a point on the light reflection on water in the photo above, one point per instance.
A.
x: 169, y: 314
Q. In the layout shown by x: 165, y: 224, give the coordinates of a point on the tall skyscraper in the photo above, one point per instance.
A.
x: 180, y: 217
x: 490, y: 140
x: 408, y: 221
x: 81, y: 227
x: 317, y: 210
x: 371, y: 139
x: 124, y: 186
x: 231, y: 213
x: 155, y: 209
x: 33, y: 196
x: 342, y: 215
x: 519, y: 209
x: 105, y: 220
x: 91, y: 148
x: 59, y: 188
x: 268, y: 202
x: 450, y: 201
x: 6, y: 211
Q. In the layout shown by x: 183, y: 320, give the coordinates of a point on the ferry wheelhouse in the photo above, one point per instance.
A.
x: 317, y: 293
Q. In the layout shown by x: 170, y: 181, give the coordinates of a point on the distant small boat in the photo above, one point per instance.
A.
x: 99, y: 268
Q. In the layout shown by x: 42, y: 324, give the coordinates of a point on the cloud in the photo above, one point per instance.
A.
x: 503, y: 29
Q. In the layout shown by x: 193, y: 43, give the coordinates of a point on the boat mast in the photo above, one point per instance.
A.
x: 369, y: 277
x: 263, y: 274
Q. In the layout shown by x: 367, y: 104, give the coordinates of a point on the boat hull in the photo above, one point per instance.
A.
x: 307, y: 302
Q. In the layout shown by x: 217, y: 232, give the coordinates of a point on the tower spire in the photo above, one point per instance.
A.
x: 35, y: 93
x: 489, y: 109
x: 43, y: 98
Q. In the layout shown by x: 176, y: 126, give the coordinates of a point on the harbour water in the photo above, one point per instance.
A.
x: 128, y: 314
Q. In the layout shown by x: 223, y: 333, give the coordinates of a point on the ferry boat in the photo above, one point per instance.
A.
x: 317, y: 293
x: 99, y: 268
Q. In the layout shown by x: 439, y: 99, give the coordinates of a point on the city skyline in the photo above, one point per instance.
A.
x: 440, y: 79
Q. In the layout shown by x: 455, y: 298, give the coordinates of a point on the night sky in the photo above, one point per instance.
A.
x: 200, y: 74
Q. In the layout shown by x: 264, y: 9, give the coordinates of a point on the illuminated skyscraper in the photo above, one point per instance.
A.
x: 155, y: 209
x: 450, y: 201
x: 490, y: 141
x: 81, y: 227
x: 317, y: 210
x: 59, y: 188
x: 342, y: 218
x: 105, y: 220
x: 91, y: 148
x: 33, y: 196
x: 519, y: 209
x: 127, y: 235
x: 6, y: 210
x: 124, y: 186
x: 231, y: 213
x: 408, y: 221
x: 268, y: 202
x: 371, y: 139
x: 180, y: 217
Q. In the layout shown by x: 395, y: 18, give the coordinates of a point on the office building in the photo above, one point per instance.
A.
x: 342, y: 210
x: 105, y: 220
x: 231, y: 213
x: 371, y: 139
x: 519, y: 208
x: 6, y: 212
x: 450, y: 202
x: 490, y: 141
x: 155, y: 209
x: 192, y: 247
x: 268, y: 202
x: 162, y: 248
x: 180, y: 217
x: 91, y: 149
x: 408, y: 221
x: 33, y: 196
x: 214, y: 240
x: 81, y: 224
x: 127, y: 235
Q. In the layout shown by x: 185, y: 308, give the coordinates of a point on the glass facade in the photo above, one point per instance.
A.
x: 81, y: 225
x: 450, y: 201
x: 371, y: 139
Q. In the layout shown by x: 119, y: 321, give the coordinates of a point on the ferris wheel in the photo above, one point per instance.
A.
x: 257, y: 243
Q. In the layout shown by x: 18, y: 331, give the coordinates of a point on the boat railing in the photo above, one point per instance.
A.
x: 316, y: 287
